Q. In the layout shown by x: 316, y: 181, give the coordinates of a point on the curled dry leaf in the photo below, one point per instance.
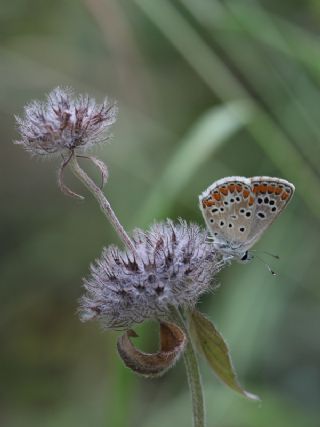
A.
x: 213, y: 347
x: 66, y: 190
x: 172, y: 343
x: 101, y: 166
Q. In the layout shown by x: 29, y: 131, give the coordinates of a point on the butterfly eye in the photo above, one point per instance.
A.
x: 245, y: 256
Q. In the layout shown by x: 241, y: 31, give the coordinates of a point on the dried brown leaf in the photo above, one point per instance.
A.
x: 66, y: 190
x: 172, y: 343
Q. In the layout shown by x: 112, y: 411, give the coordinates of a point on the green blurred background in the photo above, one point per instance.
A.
x: 206, y: 89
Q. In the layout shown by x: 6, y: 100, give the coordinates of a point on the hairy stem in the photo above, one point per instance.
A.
x: 193, y: 374
x: 194, y: 379
x: 103, y: 202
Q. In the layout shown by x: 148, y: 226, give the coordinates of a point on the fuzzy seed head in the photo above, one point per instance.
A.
x: 176, y: 265
x: 65, y: 122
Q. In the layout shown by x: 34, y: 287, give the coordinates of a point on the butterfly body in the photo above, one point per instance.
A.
x: 237, y: 210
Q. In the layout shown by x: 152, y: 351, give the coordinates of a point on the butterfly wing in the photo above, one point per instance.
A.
x: 271, y: 196
x: 237, y: 210
x: 227, y: 207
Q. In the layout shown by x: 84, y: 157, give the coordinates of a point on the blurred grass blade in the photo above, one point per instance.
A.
x: 193, y: 49
x: 227, y: 85
x: 288, y: 160
x: 211, y: 130
x: 280, y: 34
x: 215, y: 350
x: 289, y: 96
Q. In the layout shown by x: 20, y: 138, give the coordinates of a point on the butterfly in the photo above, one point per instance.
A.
x: 237, y: 211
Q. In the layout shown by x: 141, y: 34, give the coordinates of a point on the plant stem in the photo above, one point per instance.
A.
x: 103, y: 202
x: 194, y: 379
x: 193, y: 374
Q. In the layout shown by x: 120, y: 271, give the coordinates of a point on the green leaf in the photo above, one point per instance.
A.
x: 213, y: 347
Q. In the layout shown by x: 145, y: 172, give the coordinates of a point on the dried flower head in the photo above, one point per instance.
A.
x: 65, y: 123
x: 176, y: 265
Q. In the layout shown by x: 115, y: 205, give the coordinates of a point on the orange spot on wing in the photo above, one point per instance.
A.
x: 284, y: 196
x: 239, y: 188
x: 270, y: 189
x: 263, y: 188
x: 251, y: 201
x: 278, y: 190
x: 231, y: 188
x: 207, y: 203
x: 224, y: 191
x: 216, y: 196
x: 245, y: 193
x: 256, y: 188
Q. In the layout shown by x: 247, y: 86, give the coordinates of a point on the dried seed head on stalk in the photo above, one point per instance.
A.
x: 68, y: 126
x: 65, y: 123
x: 176, y: 265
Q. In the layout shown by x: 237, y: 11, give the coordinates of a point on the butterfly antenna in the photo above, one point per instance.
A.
x: 266, y: 265
x: 267, y: 253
